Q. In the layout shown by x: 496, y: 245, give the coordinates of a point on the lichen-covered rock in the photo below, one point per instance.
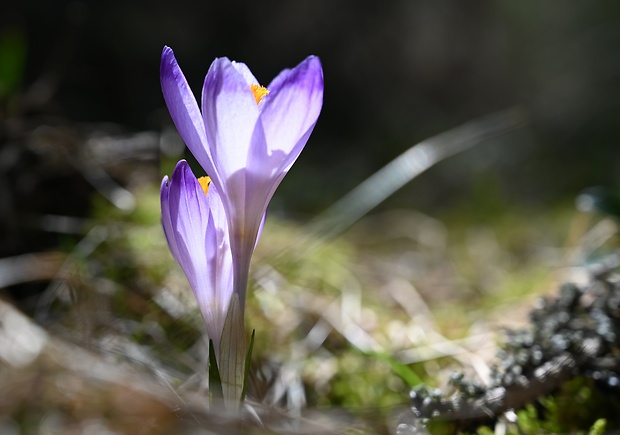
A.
x: 574, y: 334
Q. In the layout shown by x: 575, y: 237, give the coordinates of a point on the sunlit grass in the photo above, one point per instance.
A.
x: 349, y: 324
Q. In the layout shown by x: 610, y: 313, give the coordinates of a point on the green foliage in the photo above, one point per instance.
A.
x: 403, y: 371
x: 578, y: 407
x: 339, y: 287
x: 598, y: 428
x: 12, y: 60
x: 248, y: 361
x: 215, y: 381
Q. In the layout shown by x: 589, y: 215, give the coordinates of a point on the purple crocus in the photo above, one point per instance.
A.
x: 246, y: 138
x: 197, y: 232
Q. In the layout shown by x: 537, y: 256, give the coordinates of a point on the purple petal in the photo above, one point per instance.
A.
x: 246, y: 204
x: 260, y: 228
x: 219, y: 257
x: 165, y: 217
x: 188, y: 217
x: 243, y: 69
x: 198, y: 238
x: 182, y: 106
x: 291, y: 110
x: 230, y: 115
x: 288, y: 117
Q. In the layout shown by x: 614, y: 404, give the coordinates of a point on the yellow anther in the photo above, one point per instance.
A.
x: 259, y: 92
x: 204, y: 183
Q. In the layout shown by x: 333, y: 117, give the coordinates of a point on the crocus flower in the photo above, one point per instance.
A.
x: 197, y: 232
x: 246, y: 138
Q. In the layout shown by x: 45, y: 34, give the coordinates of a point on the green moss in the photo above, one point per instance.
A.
x: 486, y: 264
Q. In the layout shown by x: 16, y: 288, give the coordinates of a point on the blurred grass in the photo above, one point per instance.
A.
x: 347, y: 326
x: 314, y: 311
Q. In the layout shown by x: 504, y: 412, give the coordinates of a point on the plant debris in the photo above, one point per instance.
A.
x: 574, y: 334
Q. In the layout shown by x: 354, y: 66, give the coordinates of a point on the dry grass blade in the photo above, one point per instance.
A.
x: 29, y: 267
x: 406, y: 167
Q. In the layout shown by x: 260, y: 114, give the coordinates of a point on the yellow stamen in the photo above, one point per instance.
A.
x: 259, y: 92
x: 204, y: 183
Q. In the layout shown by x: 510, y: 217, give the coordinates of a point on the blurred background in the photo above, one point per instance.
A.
x: 85, y: 138
x: 396, y: 73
